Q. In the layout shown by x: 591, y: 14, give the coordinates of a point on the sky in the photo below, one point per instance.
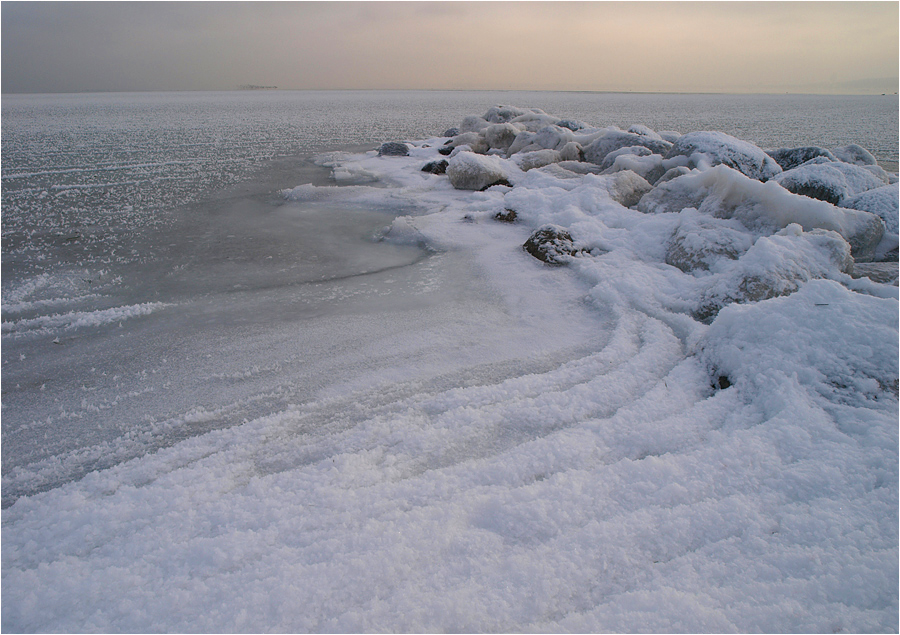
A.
x: 735, y: 47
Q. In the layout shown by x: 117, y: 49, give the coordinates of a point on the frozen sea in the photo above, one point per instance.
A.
x: 239, y: 397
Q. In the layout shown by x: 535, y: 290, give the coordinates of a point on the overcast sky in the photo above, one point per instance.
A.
x: 831, y: 47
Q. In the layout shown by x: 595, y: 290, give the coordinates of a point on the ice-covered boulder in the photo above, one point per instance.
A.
x: 535, y: 119
x: 611, y: 140
x: 883, y: 201
x: 470, y: 171
x: 473, y: 123
x: 641, y: 151
x: 580, y: 167
x: 649, y: 166
x: 883, y: 272
x: 537, y: 159
x: 673, y: 173
x: 503, y: 114
x: 500, y: 135
x: 552, y: 137
x: 831, y: 181
x: 571, y: 124
x: 669, y: 135
x: 855, y: 154
x: 641, y: 129
x: 789, y: 158
x: 625, y: 187
x: 706, y: 149
x: 474, y: 140
x: 762, y: 207
x: 776, y: 266
x: 393, y: 149
x: 551, y: 244
x: 700, y: 241
x: 572, y: 151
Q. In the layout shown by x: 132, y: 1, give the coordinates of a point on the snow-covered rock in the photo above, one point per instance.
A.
x: 503, y: 114
x: 470, y: 171
x: 789, y: 158
x: 626, y: 187
x: 706, y: 149
x: 855, y: 154
x: 551, y: 244
x: 700, y: 241
x: 537, y: 159
x: 831, y: 181
x: 762, y: 207
x: 552, y: 137
x: 883, y: 201
x: 473, y: 123
x: 500, y: 135
x: 597, y: 150
x: 572, y: 151
x: 475, y: 141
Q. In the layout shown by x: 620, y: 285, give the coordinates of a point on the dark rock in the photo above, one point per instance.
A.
x: 503, y: 182
x: 436, y: 167
x: 393, y: 149
x: 789, y: 158
x: 506, y: 216
x: 723, y: 382
x: 450, y: 132
x: 445, y: 150
x: 551, y: 244
x: 571, y: 124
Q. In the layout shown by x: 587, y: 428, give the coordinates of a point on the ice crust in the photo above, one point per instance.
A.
x: 684, y: 470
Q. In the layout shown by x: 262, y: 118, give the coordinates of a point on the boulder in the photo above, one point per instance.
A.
x: 707, y: 149
x: 450, y: 132
x: 552, y: 137
x: 673, y: 173
x: 762, y: 207
x: 572, y: 151
x: 503, y: 114
x: 596, y: 151
x: 529, y: 160
x: 883, y: 272
x: 500, y: 135
x: 470, y: 171
x: 626, y: 187
x: 579, y: 167
x: 571, y: 124
x: 436, y: 167
x: 700, y: 241
x: 393, y: 149
x: 645, y: 131
x: 883, y: 202
x: 789, y: 158
x: 855, y: 154
x: 474, y: 140
x: 522, y: 140
x: 831, y: 181
x: 473, y: 123
x: 610, y: 158
x: 551, y: 244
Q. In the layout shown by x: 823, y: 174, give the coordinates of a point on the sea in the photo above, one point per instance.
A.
x: 150, y: 261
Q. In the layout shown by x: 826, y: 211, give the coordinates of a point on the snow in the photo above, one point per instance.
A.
x: 550, y: 449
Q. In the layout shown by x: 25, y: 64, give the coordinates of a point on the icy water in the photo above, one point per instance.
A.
x: 151, y: 267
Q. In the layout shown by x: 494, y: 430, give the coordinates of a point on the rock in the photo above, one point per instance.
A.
x: 522, y: 140
x: 762, y: 207
x: 776, y: 266
x: 579, y: 167
x: 640, y: 151
x: 474, y: 140
x: 393, y: 149
x: 450, y: 132
x: 700, y: 241
x: 669, y: 135
x: 855, y: 154
x: 571, y: 124
x: 831, y: 181
x: 446, y: 150
x: 789, y: 158
x: 503, y: 114
x: 529, y: 160
x: 469, y: 171
x: 673, y: 173
x: 436, y: 167
x: 572, y: 151
x: 473, y: 123
x: 506, y: 216
x: 883, y: 272
x: 644, y: 131
x: 626, y: 187
x: 883, y: 201
x: 552, y: 137
x: 707, y: 149
x: 500, y: 135
x: 596, y: 151
x: 551, y: 244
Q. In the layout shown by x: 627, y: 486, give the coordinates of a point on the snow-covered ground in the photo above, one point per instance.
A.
x: 686, y: 421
